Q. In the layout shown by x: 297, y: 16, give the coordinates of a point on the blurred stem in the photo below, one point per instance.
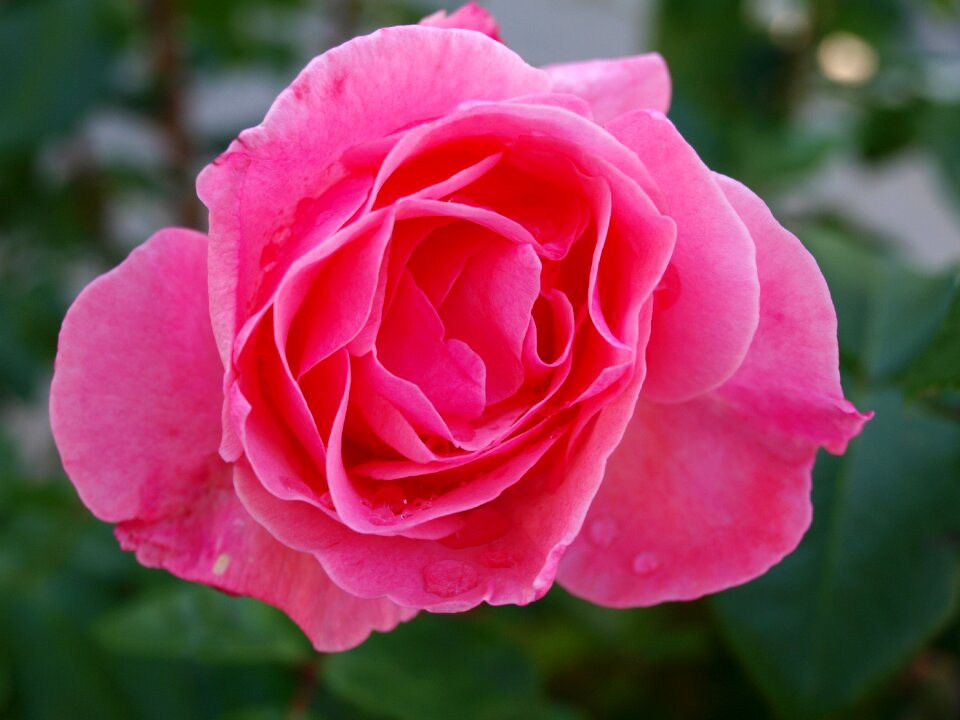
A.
x: 165, y: 18
x: 306, y: 688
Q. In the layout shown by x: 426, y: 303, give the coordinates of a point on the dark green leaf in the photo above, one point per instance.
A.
x: 58, y: 672
x: 873, y: 579
x: 55, y: 64
x: 938, y: 367
x: 886, y: 311
x: 192, y: 622
x: 438, y: 667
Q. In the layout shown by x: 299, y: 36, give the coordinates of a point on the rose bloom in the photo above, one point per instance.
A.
x: 460, y: 327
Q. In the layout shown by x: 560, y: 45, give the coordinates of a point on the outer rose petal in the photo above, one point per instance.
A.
x: 135, y: 410
x: 469, y: 17
x: 615, y: 87
x: 708, y: 305
x: 710, y: 493
x: 359, y: 92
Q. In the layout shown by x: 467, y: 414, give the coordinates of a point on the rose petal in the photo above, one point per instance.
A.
x: 615, y: 87
x: 695, y: 499
x: 136, y: 397
x: 254, y: 188
x: 710, y: 493
x: 412, y: 344
x: 135, y: 410
x: 802, y: 395
x: 509, y: 554
x: 469, y: 17
x: 488, y: 308
x: 215, y: 541
x: 708, y: 307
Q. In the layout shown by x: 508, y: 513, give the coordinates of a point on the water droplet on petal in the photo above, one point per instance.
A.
x: 645, y: 563
x: 668, y: 290
x: 221, y: 564
x: 327, y: 501
x: 449, y: 578
x: 603, y: 531
x: 391, y: 497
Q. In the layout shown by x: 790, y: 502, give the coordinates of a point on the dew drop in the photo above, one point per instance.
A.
x: 603, y: 531
x: 390, y: 496
x: 645, y: 563
x: 449, y: 578
x: 221, y: 564
x: 327, y: 501
x: 668, y: 291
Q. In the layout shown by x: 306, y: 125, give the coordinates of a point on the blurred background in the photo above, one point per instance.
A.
x: 844, y: 114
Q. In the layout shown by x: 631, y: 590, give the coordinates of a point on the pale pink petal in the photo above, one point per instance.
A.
x: 135, y: 410
x: 791, y: 376
x: 710, y: 493
x: 213, y: 540
x: 695, y: 499
x: 707, y: 308
x: 468, y: 17
x: 615, y: 87
x: 255, y: 188
x: 136, y: 397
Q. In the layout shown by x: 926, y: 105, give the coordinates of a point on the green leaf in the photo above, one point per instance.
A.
x: 55, y: 62
x: 439, y: 667
x: 887, y: 312
x: 940, y: 132
x: 57, y: 671
x: 937, y: 368
x: 875, y: 577
x: 193, y: 622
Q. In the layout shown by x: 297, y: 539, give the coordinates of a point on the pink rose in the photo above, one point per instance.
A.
x: 460, y: 326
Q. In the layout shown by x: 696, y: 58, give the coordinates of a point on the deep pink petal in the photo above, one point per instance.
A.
x: 615, y: 87
x: 413, y: 345
x: 254, y: 189
x: 488, y: 308
x: 710, y: 493
x: 504, y: 552
x: 276, y: 428
x: 135, y: 410
x: 708, y: 306
x: 468, y: 17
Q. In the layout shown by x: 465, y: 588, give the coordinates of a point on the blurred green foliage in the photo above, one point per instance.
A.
x: 860, y: 622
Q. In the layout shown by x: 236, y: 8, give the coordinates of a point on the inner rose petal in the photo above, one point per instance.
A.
x: 280, y: 436
x: 541, y: 191
x: 550, y: 336
x: 489, y: 308
x: 411, y: 345
x: 328, y: 296
x: 436, y: 174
